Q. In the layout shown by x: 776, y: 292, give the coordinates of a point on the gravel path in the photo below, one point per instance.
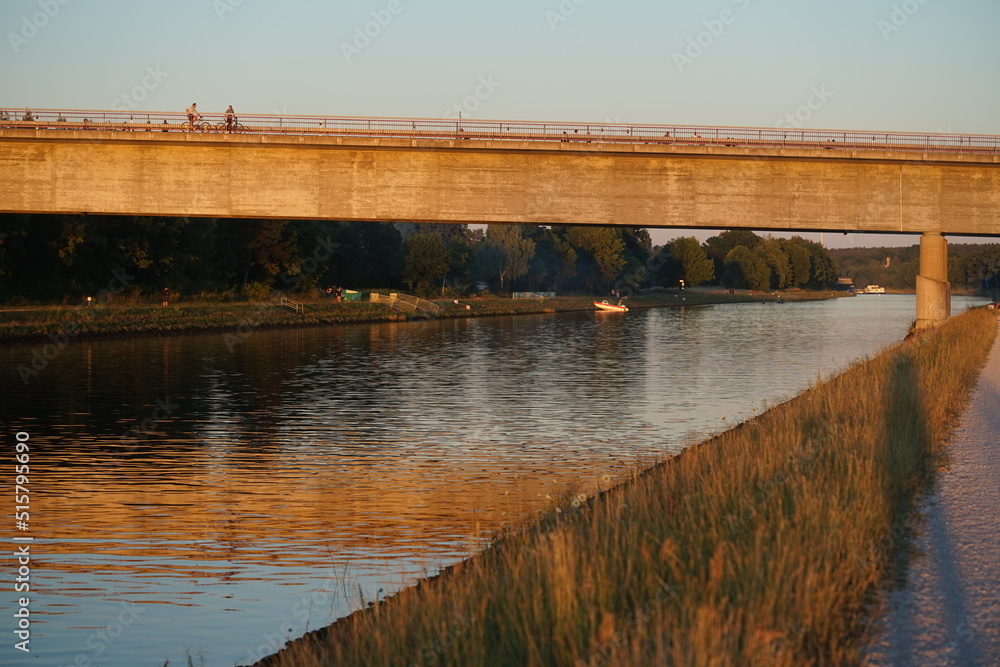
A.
x: 948, y: 613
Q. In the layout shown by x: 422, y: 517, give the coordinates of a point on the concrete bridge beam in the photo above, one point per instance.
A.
x: 524, y: 179
x: 933, y: 288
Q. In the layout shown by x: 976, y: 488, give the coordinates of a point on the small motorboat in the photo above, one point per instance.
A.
x: 614, y: 307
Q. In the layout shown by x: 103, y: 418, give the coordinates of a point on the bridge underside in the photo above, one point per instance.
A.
x: 486, y: 181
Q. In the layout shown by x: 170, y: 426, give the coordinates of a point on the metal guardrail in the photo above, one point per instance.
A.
x: 297, y: 306
x: 405, y: 303
x: 501, y: 130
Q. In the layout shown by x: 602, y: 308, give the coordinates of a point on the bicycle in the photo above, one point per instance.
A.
x: 235, y: 126
x: 199, y: 125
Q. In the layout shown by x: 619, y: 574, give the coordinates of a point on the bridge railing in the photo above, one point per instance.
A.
x: 500, y: 130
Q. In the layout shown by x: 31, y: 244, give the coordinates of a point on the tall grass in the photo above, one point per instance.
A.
x: 762, y: 546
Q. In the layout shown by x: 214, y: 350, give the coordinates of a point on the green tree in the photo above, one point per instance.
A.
x: 638, y: 253
x: 743, y: 237
x: 978, y: 270
x: 686, y: 260
x: 746, y: 269
x: 822, y: 269
x: 382, y: 254
x: 798, y: 262
x: 718, y: 247
x: 258, y: 250
x: 461, y: 254
x: 185, y: 257
x: 777, y: 261
x: 600, y: 252
x: 13, y: 231
x: 508, y: 252
x: 554, y: 259
x: 35, y: 253
x: 895, y: 268
x: 426, y: 261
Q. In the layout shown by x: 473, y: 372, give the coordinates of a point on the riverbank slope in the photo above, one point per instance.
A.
x: 764, y: 545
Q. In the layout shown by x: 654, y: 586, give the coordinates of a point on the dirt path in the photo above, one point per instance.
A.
x: 948, y: 613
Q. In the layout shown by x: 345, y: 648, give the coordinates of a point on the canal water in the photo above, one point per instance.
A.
x: 198, y: 497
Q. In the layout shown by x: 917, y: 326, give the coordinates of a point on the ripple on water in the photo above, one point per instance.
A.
x: 306, y: 470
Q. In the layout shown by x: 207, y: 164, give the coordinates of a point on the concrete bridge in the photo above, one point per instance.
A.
x: 425, y: 170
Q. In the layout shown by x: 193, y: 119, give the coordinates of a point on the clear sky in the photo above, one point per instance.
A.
x: 908, y: 65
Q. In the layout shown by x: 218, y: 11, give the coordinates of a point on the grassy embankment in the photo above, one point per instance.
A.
x: 761, y: 546
x: 37, y: 323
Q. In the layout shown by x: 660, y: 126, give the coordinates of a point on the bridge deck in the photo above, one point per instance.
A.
x: 499, y: 130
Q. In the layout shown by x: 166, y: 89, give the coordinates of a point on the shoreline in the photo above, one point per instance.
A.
x: 52, y: 324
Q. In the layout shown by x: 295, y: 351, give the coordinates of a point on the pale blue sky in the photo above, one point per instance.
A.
x: 911, y: 65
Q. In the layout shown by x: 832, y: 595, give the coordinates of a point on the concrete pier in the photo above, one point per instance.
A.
x: 933, y: 288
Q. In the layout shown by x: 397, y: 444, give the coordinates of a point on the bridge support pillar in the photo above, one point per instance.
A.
x: 933, y: 288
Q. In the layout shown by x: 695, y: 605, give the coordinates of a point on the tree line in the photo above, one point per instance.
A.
x: 973, y: 267
x: 63, y: 257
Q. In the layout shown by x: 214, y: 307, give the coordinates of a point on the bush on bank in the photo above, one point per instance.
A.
x: 761, y: 546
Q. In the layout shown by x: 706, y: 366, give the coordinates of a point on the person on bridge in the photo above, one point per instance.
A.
x: 230, y: 119
x: 192, y: 112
